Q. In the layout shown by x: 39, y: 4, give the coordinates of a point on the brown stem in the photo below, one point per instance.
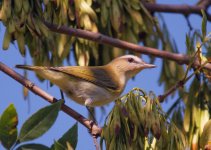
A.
x: 94, y: 129
x: 182, y: 9
x: 174, y: 88
x: 180, y: 83
x: 103, y: 39
x: 161, y: 98
x: 96, y: 143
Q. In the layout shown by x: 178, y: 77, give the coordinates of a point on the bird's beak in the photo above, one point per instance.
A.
x: 148, y: 65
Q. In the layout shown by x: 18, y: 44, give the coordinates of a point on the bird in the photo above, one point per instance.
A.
x: 93, y: 85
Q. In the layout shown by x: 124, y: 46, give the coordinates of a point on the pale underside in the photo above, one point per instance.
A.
x: 81, y: 91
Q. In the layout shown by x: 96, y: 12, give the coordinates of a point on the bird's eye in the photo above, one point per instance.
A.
x: 130, y: 60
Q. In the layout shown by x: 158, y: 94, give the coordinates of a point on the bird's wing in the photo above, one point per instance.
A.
x: 97, y: 75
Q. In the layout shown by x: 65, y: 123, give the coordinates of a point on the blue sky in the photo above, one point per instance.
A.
x: 11, y: 91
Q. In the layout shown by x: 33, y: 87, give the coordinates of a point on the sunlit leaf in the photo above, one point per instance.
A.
x: 8, y: 126
x: 206, y: 134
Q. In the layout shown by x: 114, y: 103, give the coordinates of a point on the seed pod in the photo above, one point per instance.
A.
x: 26, y: 6
x: 155, y: 128
x: 112, y: 144
x: 11, y: 26
x: 117, y: 123
x: 104, y: 14
x: 21, y: 42
x: 115, y: 15
x: 18, y: 5
x: 132, y: 113
x: 44, y: 30
x: 135, y: 133
x: 7, y: 39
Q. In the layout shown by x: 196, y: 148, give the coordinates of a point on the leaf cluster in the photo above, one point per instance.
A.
x: 138, y: 122
x: 34, y: 127
x: 126, y: 20
x: 194, y: 111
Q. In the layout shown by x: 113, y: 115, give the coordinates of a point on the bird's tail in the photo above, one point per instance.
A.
x: 34, y: 68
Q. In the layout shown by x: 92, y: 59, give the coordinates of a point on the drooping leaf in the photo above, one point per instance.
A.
x: 8, y: 126
x: 188, y: 42
x: 104, y: 14
x: 116, y: 16
x: 33, y: 146
x: 40, y: 122
x: 7, y: 40
x: 204, y: 24
x: 21, y: 42
x: 139, y: 120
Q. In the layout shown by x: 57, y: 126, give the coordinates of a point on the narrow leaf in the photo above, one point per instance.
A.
x: 204, y: 24
x: 40, y: 122
x: 188, y: 42
x: 33, y: 146
x: 8, y: 126
x: 186, y: 122
x: 7, y: 40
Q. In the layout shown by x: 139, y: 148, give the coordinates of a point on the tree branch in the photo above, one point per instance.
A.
x: 103, y: 39
x: 180, y: 83
x: 92, y: 127
x: 182, y: 9
x: 96, y: 143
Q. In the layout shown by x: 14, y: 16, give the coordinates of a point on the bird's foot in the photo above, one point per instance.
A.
x: 91, y: 123
x: 91, y: 115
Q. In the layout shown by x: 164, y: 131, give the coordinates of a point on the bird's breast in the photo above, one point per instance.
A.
x: 80, y: 90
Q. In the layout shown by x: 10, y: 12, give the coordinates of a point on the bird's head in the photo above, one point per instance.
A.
x: 129, y: 65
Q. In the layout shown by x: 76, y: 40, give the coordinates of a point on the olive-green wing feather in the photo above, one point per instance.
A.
x: 97, y: 75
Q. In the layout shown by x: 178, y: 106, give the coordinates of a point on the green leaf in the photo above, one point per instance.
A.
x: 40, y: 122
x: 8, y: 126
x: 33, y: 146
x: 70, y: 136
x: 7, y: 40
x: 188, y: 43
x: 116, y: 16
x: 58, y: 146
x: 204, y: 24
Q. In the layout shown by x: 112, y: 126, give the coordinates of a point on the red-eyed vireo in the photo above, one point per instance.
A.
x: 95, y: 85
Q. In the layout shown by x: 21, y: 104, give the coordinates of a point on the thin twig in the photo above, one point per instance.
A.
x: 181, y: 9
x: 169, y: 111
x: 179, y: 84
x: 92, y: 127
x: 96, y: 143
x: 103, y: 39
x: 189, y: 24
